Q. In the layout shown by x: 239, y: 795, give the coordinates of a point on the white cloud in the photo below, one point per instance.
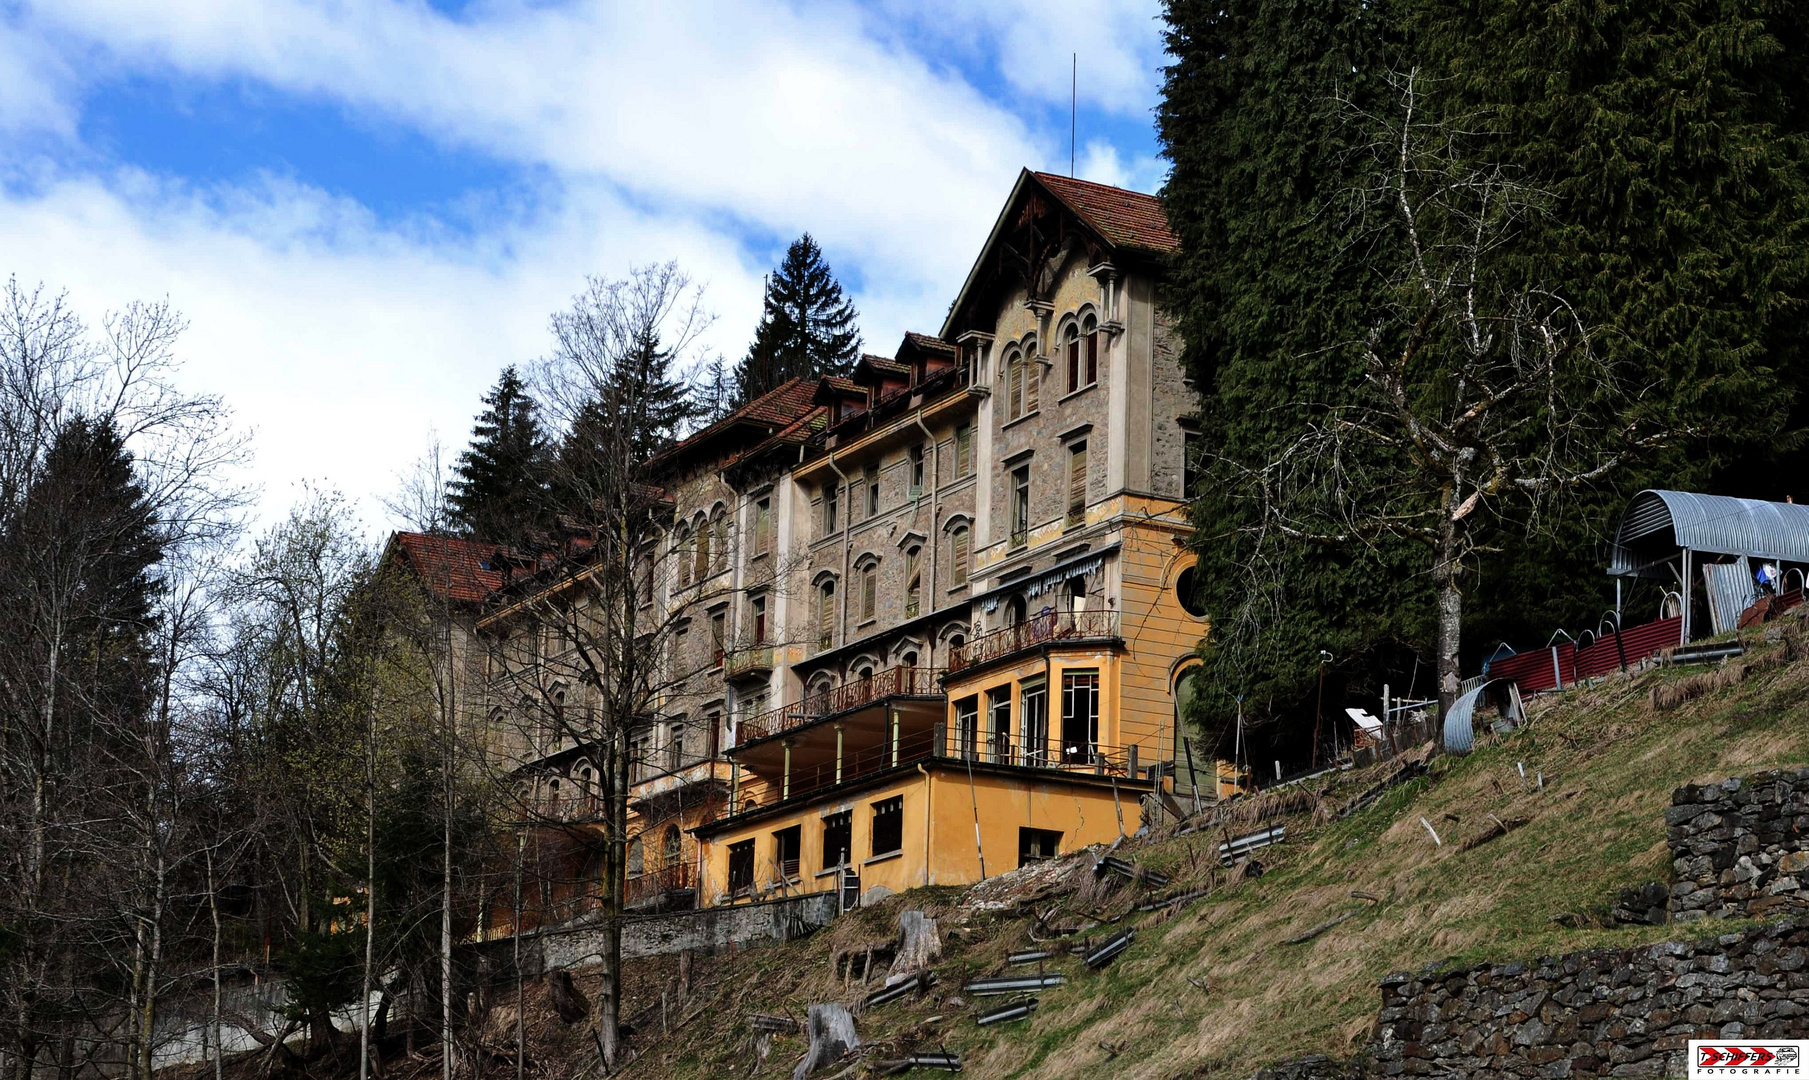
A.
x: 1101, y: 163
x: 340, y: 344
x: 688, y: 130
x: 1109, y: 54
x: 789, y: 119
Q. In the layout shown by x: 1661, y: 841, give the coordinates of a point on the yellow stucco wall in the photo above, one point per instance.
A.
x: 939, y: 810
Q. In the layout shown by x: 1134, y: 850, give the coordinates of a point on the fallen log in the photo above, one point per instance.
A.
x: 1306, y: 936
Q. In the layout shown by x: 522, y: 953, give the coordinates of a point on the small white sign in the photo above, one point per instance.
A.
x: 1748, y: 1057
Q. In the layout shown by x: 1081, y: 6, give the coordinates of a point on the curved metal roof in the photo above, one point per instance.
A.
x: 1669, y: 520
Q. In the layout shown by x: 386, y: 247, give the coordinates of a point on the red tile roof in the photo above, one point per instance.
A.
x: 929, y: 342
x: 781, y: 407
x: 456, y: 568
x: 1124, y: 218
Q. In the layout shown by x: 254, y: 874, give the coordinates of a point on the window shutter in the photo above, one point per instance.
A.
x: 826, y: 616
x: 1074, y: 382
x: 1092, y: 357
x: 1032, y: 383
x: 1014, y: 389
x: 1077, y: 483
x: 964, y: 451
x: 869, y: 591
x: 959, y: 555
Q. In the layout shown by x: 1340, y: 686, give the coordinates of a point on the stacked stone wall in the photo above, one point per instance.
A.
x: 1737, y: 847
x: 1608, y: 1012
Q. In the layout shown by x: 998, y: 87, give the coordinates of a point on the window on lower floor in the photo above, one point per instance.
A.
x: 1080, y: 716
x: 741, y: 868
x: 998, y: 721
x: 1035, y: 845
x: 967, y: 727
x: 788, y: 849
x: 888, y: 825
x: 838, y: 838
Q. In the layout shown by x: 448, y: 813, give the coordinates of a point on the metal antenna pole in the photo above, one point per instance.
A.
x: 1073, y: 107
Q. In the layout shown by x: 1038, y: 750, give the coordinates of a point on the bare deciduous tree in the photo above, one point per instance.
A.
x: 1479, y: 386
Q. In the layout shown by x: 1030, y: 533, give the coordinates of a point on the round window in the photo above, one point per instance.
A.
x: 1188, y: 593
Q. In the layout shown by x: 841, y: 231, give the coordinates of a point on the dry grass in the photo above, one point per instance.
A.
x: 1609, y: 757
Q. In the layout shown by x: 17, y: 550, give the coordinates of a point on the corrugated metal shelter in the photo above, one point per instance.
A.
x: 1662, y: 533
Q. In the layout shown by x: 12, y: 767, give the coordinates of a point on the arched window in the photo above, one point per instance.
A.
x: 701, y: 562
x: 826, y: 614
x: 646, y: 581
x: 1089, y: 334
x: 1077, y: 595
x: 1014, y: 385
x: 673, y: 848
x: 1016, y: 610
x: 913, y: 581
x: 637, y: 860
x: 719, y: 542
x: 870, y: 590
x: 1072, y: 348
x: 681, y: 550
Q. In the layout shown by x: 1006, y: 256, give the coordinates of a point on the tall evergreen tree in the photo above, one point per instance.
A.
x: 806, y: 326
x: 498, y: 491
x: 619, y: 349
x: 1670, y: 138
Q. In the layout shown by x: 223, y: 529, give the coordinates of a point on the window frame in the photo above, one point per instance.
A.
x: 887, y: 823
x: 1020, y: 506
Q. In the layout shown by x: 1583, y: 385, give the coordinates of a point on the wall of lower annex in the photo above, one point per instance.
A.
x: 938, y: 847
x: 897, y: 870
x: 1007, y: 804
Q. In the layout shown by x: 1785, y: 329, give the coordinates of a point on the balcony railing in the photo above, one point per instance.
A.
x: 1046, y: 628
x: 660, y: 761
x: 900, y: 681
x: 672, y: 878
x: 1039, y: 752
x: 748, y: 661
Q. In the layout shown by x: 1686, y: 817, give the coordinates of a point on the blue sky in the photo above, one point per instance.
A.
x: 367, y: 207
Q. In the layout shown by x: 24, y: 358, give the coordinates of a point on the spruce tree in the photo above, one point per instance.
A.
x: 1670, y: 136
x: 807, y: 326
x: 498, y: 490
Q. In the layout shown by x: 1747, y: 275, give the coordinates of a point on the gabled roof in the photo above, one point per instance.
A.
x: 780, y: 407
x: 1123, y: 218
x: 927, y: 343
x: 465, y: 571
x: 1112, y: 221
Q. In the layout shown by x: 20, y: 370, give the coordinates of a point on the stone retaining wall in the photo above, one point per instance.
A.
x: 711, y: 930
x: 1737, y: 846
x: 1609, y: 1012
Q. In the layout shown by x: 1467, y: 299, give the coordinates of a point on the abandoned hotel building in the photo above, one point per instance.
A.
x: 929, y: 620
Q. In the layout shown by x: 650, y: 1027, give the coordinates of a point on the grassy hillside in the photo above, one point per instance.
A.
x: 1211, y: 987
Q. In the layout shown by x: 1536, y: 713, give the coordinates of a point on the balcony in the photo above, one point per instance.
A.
x: 1054, y: 627
x: 900, y: 681
x: 742, y: 663
x: 942, y: 744
x: 657, y: 888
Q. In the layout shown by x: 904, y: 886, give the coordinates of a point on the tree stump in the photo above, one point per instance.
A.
x: 919, y: 945
x: 567, y: 1000
x: 831, y: 1037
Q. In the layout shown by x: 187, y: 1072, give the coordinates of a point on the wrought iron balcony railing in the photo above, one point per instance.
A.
x: 654, y: 884
x: 1040, y: 751
x: 1037, y: 630
x: 900, y: 681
